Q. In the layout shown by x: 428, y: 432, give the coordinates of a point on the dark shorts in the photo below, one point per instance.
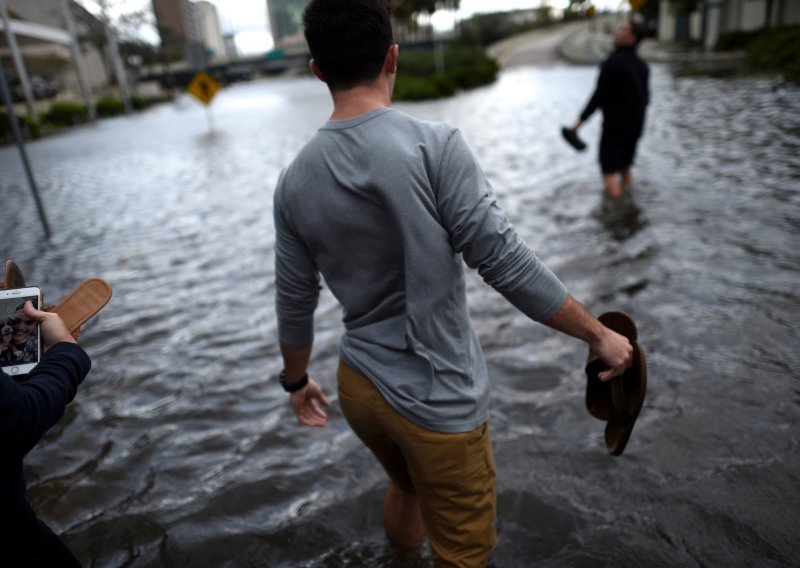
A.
x: 617, y: 151
x: 452, y: 474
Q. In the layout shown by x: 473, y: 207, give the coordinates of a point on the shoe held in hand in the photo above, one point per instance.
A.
x: 572, y: 139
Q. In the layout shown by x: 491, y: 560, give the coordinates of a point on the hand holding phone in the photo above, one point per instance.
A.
x: 20, y: 334
x: 54, y: 328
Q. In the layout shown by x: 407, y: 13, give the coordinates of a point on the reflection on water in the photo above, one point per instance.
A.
x: 621, y: 217
x: 180, y: 449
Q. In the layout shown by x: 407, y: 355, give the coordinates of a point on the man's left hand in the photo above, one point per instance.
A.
x: 308, y: 403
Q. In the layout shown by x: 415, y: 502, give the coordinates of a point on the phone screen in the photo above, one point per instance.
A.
x: 19, y: 336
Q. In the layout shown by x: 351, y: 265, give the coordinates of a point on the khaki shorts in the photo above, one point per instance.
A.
x: 453, y: 474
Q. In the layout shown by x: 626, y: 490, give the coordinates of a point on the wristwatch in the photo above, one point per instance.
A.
x: 293, y: 387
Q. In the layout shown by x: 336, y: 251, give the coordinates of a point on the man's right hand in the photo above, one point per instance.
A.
x: 54, y: 330
x: 615, y: 351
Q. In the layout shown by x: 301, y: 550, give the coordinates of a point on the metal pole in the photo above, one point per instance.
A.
x: 12, y: 120
x: 18, y: 63
x: 119, y: 69
x: 210, y: 119
x: 80, y: 66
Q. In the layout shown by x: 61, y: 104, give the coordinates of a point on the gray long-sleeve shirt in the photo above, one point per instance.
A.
x: 385, y: 206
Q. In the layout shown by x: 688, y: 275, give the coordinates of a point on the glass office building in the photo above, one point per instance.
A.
x: 286, y: 23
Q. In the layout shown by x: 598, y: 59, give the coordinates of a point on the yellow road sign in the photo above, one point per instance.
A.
x: 203, y: 87
x: 637, y: 4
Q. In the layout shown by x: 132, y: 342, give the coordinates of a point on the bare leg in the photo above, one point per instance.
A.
x: 627, y: 178
x: 402, y: 518
x: 612, y: 185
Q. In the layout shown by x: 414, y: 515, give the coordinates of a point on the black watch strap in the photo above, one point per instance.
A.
x: 293, y: 387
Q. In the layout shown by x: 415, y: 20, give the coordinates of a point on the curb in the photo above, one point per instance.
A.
x: 579, y: 49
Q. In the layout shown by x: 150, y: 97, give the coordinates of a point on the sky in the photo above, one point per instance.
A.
x: 248, y: 18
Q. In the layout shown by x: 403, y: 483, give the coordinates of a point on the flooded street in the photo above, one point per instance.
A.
x: 180, y: 448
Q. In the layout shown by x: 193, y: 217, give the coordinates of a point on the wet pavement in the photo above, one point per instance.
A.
x: 180, y: 449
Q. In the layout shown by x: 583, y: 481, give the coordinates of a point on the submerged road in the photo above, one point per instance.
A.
x: 180, y: 449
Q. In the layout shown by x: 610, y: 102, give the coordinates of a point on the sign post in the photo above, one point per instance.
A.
x: 203, y: 87
x: 5, y: 94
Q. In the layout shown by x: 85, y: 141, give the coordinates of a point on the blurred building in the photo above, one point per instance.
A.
x: 286, y: 23
x: 210, y: 31
x: 231, y: 51
x: 179, y: 31
x: 715, y: 17
x: 44, y: 43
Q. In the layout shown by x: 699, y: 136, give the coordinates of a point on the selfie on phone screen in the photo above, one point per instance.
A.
x: 20, y: 345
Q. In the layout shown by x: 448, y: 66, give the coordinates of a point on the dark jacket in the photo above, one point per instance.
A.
x: 28, y: 410
x: 622, y: 92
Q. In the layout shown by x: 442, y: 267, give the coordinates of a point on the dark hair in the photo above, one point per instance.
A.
x: 348, y: 39
x: 638, y: 29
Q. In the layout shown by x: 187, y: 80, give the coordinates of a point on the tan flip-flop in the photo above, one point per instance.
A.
x: 80, y: 305
x: 618, y: 401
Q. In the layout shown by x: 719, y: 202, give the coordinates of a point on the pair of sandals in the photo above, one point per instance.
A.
x: 78, y: 307
x: 617, y: 402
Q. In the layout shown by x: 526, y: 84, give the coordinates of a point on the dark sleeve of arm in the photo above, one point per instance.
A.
x: 600, y: 92
x: 480, y: 231
x: 29, y: 409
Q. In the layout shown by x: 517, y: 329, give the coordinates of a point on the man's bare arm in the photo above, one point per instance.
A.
x: 614, y: 349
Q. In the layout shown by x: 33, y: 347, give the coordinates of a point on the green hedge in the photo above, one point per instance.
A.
x: 769, y: 49
x: 465, y: 67
x: 410, y: 88
x: 732, y: 41
x: 28, y: 128
x: 777, y: 49
x: 65, y: 113
x: 140, y: 103
x: 62, y: 114
x: 109, y: 106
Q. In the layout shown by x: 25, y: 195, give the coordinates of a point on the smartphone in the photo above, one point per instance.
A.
x: 20, y: 336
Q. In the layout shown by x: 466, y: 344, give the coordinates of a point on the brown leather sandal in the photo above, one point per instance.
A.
x: 12, y: 276
x: 572, y: 139
x: 80, y: 305
x: 618, y: 401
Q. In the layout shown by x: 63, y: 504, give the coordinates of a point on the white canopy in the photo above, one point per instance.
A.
x: 37, y: 31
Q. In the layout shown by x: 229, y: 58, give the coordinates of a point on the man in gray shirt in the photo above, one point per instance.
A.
x: 385, y: 207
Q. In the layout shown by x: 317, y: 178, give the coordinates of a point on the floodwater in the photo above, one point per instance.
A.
x: 180, y: 449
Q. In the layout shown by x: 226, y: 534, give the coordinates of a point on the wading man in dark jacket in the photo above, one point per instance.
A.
x: 387, y: 208
x: 27, y: 411
x: 622, y: 93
